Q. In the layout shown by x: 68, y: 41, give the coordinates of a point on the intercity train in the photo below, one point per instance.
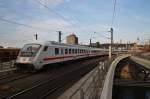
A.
x: 36, y: 55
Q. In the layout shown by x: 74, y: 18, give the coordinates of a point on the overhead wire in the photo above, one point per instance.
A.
x: 113, y: 15
x: 24, y: 25
x: 51, y: 10
x: 103, y: 36
x: 26, y: 15
x: 17, y: 23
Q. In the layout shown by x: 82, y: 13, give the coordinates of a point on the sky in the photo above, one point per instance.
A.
x: 20, y: 20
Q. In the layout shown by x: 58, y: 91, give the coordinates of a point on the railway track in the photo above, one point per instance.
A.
x: 45, y: 88
x: 14, y: 77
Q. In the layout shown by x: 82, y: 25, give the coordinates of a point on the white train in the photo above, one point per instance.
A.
x: 36, y: 55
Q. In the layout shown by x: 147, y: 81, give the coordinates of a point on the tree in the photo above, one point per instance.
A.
x: 97, y: 44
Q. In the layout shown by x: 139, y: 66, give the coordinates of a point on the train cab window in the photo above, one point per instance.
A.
x: 66, y: 51
x: 45, y: 48
x: 56, y: 51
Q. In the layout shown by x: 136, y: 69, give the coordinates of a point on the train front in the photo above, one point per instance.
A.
x: 27, y: 58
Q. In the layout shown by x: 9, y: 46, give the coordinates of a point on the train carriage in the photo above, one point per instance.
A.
x: 36, y: 55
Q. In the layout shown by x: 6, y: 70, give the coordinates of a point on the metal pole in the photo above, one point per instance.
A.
x: 149, y: 44
x: 111, y: 44
x: 111, y: 31
x: 59, y: 36
x: 36, y: 36
x: 90, y: 42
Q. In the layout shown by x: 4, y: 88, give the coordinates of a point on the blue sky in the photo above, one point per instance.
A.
x: 81, y: 17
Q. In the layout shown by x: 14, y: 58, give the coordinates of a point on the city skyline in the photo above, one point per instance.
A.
x: 82, y: 17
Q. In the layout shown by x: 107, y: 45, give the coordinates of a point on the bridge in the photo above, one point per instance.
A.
x: 106, y: 80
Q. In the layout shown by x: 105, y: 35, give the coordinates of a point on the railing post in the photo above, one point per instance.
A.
x: 0, y: 65
x: 81, y: 94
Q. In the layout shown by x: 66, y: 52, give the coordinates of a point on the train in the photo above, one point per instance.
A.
x: 37, y: 55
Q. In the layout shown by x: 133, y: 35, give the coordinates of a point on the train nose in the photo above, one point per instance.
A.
x: 25, y: 59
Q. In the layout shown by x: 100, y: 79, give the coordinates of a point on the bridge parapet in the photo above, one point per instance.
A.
x: 108, y: 83
x: 96, y: 83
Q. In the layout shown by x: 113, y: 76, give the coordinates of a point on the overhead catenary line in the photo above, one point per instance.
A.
x: 17, y: 23
x: 102, y: 35
x: 21, y: 24
x: 51, y: 10
x: 113, y: 15
x: 29, y: 16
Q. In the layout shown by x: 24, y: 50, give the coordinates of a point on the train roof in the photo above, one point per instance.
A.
x: 63, y: 44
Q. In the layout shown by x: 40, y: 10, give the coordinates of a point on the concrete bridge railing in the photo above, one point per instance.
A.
x: 95, y: 85
x: 108, y: 82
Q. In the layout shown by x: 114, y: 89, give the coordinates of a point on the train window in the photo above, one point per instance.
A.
x: 45, y: 48
x: 76, y: 51
x: 56, y: 51
x: 62, y: 52
x: 66, y: 51
x: 69, y: 51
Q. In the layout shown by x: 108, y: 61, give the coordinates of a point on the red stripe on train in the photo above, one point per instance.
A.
x: 54, y: 58
x: 61, y: 57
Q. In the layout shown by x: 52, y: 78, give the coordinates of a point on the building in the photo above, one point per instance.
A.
x: 72, y: 39
x: 117, y: 46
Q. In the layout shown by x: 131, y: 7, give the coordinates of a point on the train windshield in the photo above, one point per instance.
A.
x: 30, y: 50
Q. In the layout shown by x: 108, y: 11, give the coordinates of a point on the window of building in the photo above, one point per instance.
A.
x: 56, y: 51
